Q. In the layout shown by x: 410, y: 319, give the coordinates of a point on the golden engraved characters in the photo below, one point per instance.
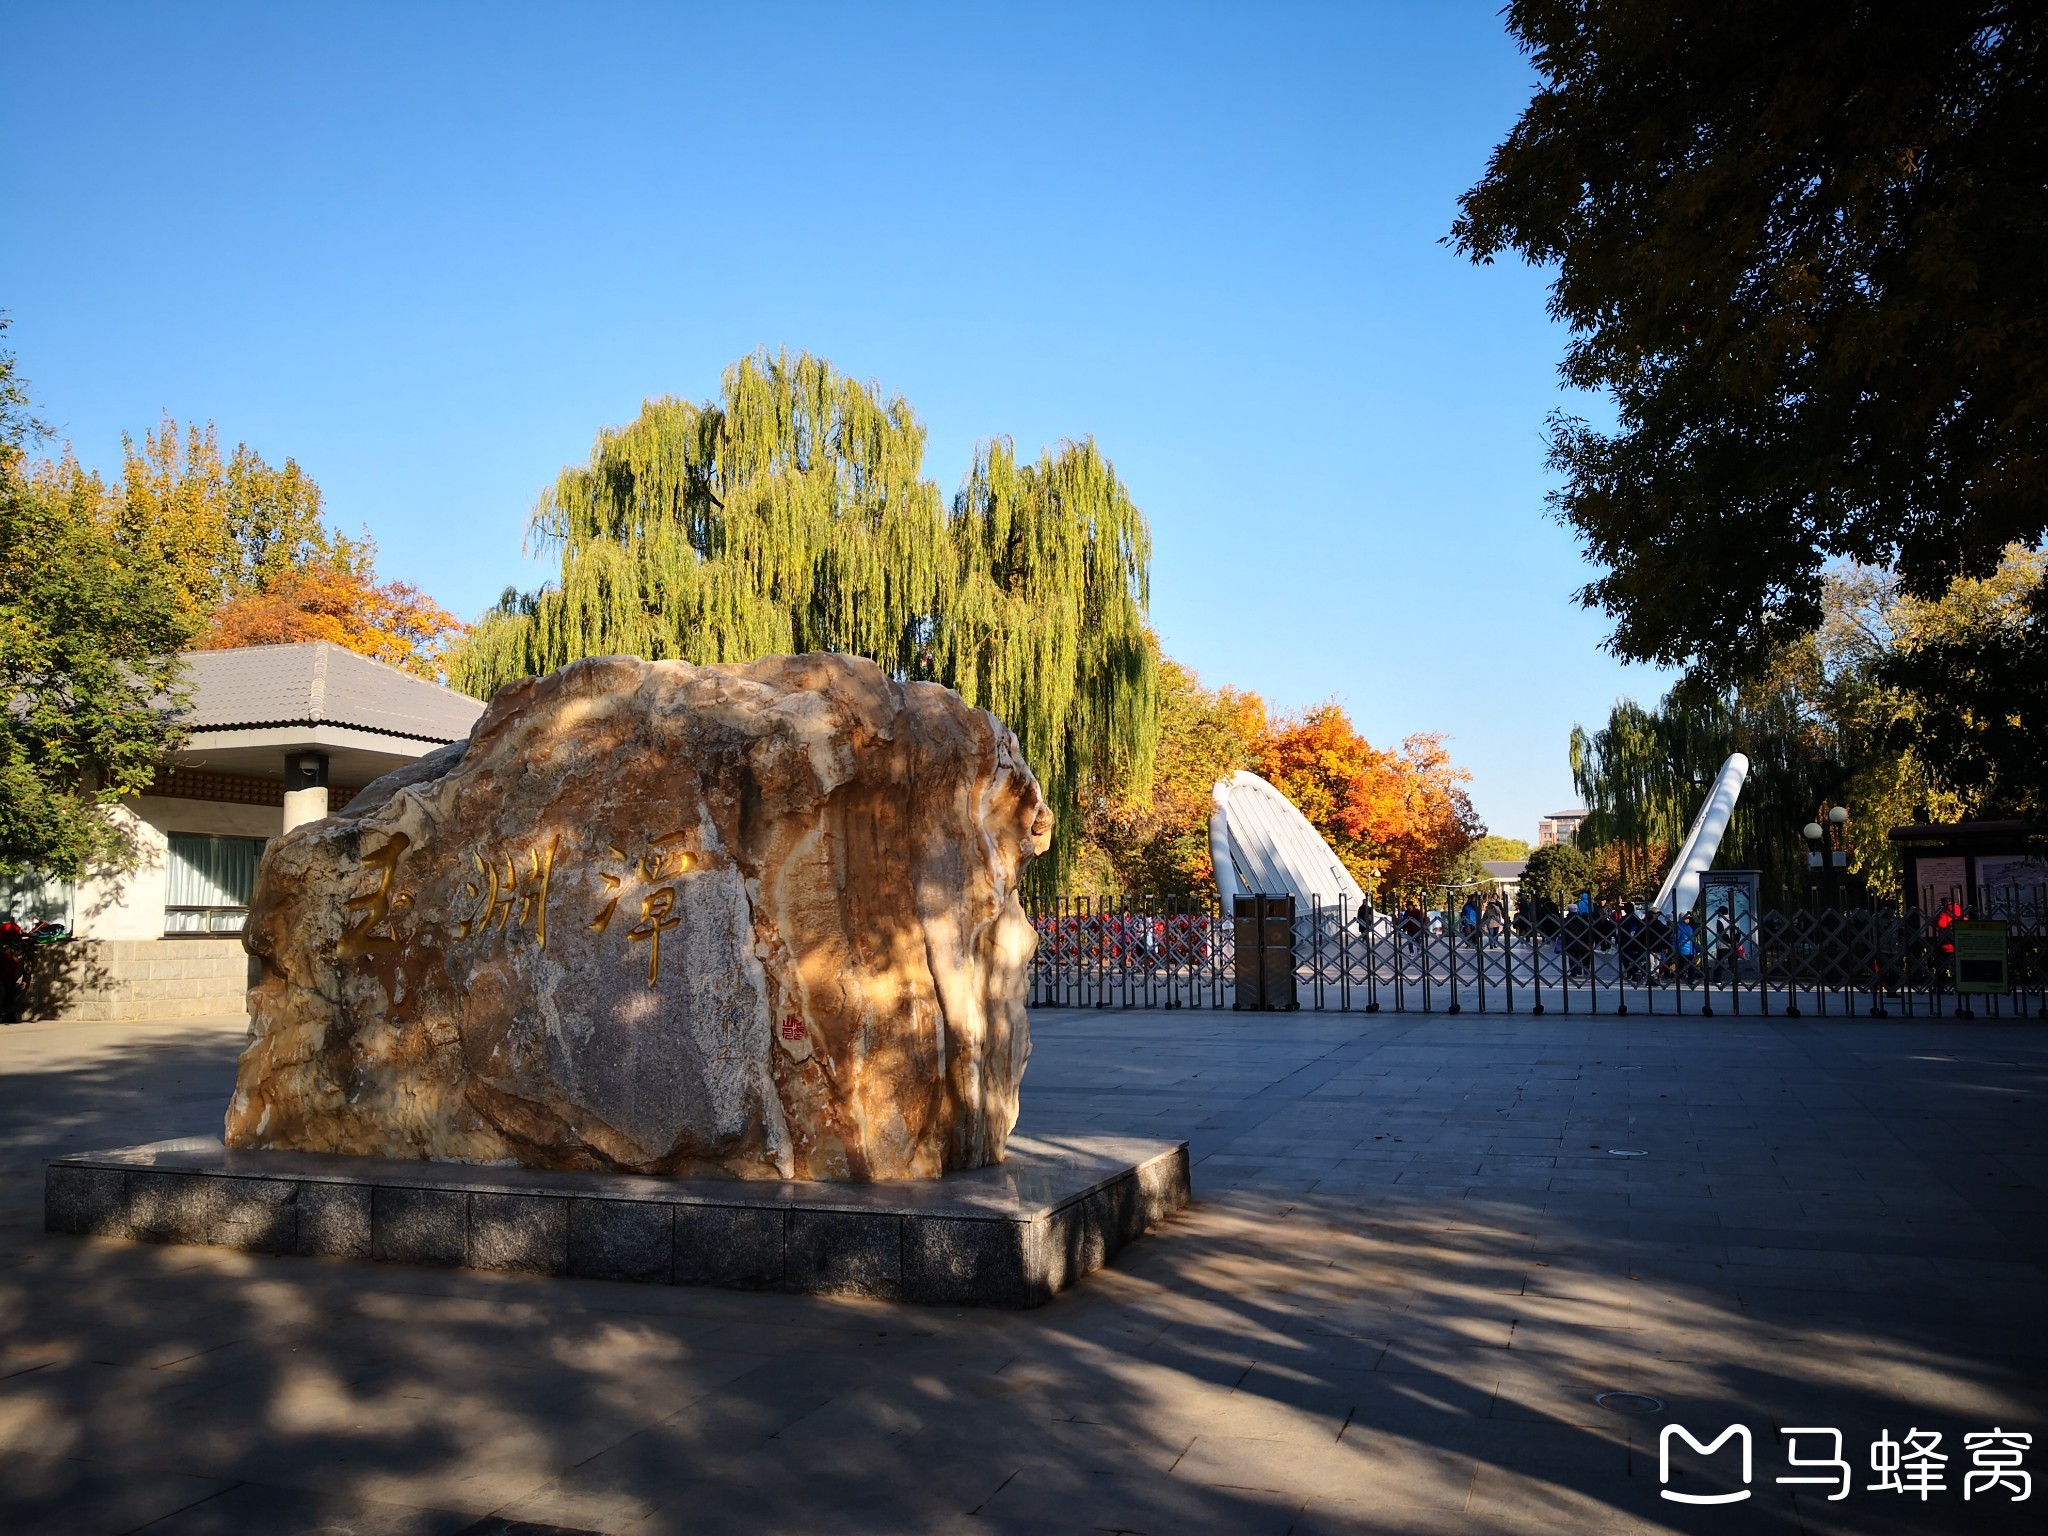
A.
x: 661, y: 862
x: 657, y: 916
x: 375, y: 906
x: 507, y: 895
x: 508, y: 888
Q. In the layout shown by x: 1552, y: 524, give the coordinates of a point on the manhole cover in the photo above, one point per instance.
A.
x: 1629, y: 1402
x: 1625, y: 1152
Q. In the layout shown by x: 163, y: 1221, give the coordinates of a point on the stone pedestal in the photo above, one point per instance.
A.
x: 1006, y: 1236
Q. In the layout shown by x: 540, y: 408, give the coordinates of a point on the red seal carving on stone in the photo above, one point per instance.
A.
x: 793, y: 1028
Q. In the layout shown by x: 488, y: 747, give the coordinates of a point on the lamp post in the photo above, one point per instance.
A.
x: 1827, y: 849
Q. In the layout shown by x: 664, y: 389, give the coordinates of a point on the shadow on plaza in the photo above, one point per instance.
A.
x: 1469, y: 1385
x: 1266, y: 1362
x: 128, y: 1088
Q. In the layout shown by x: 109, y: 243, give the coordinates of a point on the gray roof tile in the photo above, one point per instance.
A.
x: 320, y: 683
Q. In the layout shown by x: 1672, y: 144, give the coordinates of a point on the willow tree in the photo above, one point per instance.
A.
x: 1644, y: 774
x: 793, y: 514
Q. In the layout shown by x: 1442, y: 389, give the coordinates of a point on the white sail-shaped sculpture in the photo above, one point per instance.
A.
x: 1261, y: 845
x: 1682, y: 886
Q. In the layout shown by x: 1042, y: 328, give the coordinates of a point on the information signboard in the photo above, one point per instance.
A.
x: 1980, y: 957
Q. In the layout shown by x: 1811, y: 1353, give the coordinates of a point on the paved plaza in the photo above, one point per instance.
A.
x: 1414, y: 1261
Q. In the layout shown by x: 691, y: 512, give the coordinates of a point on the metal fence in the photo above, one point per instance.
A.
x: 1181, y: 952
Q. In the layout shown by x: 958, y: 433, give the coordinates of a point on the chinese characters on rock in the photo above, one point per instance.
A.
x: 507, y: 888
x: 652, y: 883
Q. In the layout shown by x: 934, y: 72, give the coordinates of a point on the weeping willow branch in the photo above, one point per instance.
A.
x: 1644, y: 774
x: 793, y: 514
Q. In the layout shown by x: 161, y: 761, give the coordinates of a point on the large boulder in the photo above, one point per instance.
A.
x: 758, y: 920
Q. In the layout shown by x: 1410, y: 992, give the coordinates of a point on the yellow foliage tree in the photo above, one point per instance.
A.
x: 1870, y: 624
x: 1155, y: 836
x: 248, y: 558
x: 221, y: 527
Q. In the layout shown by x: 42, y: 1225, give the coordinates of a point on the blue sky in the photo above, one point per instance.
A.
x: 428, y: 250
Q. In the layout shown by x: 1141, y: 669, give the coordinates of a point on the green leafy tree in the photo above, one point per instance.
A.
x: 793, y: 514
x: 1980, y: 708
x: 1557, y: 872
x: 20, y: 428
x: 1941, y: 701
x: 1646, y: 772
x: 1465, y: 874
x: 1498, y: 849
x: 1902, y: 708
x: 89, y: 631
x: 1800, y: 246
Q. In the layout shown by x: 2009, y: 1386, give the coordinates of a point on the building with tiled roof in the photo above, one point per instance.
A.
x: 279, y: 735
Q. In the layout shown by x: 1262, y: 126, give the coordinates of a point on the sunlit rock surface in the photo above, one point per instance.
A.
x: 758, y: 920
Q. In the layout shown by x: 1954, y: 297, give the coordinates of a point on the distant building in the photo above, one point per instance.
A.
x: 280, y: 735
x: 1505, y: 875
x: 1558, y: 827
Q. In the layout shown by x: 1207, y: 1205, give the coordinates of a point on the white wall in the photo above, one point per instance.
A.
x: 215, y: 816
x: 131, y: 906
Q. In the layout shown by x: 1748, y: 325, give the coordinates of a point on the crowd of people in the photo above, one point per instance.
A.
x: 1650, y: 945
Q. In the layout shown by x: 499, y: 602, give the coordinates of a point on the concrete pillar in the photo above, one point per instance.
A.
x: 305, y: 788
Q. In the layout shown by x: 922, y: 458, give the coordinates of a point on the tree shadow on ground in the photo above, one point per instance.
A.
x: 1277, y: 1359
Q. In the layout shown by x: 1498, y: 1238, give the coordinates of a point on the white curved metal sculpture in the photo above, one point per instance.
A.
x: 1681, y: 887
x: 1261, y: 845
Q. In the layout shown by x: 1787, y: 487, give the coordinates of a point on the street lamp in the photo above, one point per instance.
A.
x: 1828, y: 850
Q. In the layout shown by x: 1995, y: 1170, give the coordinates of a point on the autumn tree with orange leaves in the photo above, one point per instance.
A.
x: 338, y: 598
x: 1397, y: 819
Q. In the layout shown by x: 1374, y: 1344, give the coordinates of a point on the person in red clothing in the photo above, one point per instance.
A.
x: 1945, y: 919
x: 14, y: 950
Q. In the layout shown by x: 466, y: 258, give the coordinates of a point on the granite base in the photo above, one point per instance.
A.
x: 1008, y: 1236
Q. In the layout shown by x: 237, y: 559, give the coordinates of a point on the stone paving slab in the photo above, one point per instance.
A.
x: 1410, y: 1268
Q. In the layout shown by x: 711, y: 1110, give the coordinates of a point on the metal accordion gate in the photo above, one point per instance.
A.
x: 1980, y: 959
